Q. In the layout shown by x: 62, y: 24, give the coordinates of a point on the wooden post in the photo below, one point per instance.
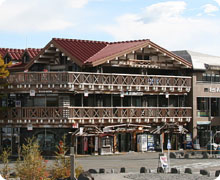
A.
x: 72, y: 161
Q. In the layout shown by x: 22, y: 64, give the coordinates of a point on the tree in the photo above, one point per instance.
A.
x: 4, y: 73
x: 31, y: 165
x: 3, y: 68
x: 61, y: 168
x: 4, y: 158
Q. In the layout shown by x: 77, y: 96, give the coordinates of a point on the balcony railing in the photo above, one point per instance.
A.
x: 92, y: 114
x: 98, y: 81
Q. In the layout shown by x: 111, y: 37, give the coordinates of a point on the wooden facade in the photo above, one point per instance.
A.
x: 142, y: 84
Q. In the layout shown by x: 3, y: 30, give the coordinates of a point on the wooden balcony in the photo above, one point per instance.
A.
x: 81, y: 81
x: 55, y: 116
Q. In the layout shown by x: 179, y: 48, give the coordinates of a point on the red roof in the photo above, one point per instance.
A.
x: 32, y: 52
x: 80, y: 49
x: 86, y: 51
x: 3, y: 51
x: 15, y: 54
x: 90, y: 51
x: 115, y: 48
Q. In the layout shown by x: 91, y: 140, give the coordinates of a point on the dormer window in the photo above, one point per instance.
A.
x: 7, y: 59
x: 26, y: 58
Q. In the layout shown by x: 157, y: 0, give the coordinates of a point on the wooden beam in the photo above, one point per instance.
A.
x: 46, y: 57
x: 50, y: 51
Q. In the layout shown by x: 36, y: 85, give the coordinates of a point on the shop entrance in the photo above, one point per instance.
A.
x: 172, y: 131
x: 124, y: 142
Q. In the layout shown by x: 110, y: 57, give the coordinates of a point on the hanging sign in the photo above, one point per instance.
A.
x: 29, y: 127
x: 32, y: 92
x: 75, y: 125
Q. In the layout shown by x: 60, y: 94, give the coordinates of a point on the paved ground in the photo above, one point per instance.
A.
x: 152, y: 176
x: 133, y: 161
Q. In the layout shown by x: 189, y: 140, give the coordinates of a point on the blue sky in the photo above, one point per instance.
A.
x: 174, y: 25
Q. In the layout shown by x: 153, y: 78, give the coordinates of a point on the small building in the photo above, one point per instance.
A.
x: 205, y: 95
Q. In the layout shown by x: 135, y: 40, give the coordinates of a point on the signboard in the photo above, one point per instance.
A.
x: 150, y: 142
x: 17, y: 103
x: 214, y: 90
x: 168, y: 144
x: 32, y: 92
x: 81, y: 131
x: 203, y: 122
x: 133, y: 93
x: 29, y: 127
x: 106, y: 129
x: 96, y: 143
x: 75, y: 125
x: 163, y: 161
x: 189, y: 144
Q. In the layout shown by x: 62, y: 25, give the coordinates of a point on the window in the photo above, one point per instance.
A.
x: 217, y: 78
x: 52, y: 101
x: 143, y: 57
x: 152, y: 101
x: 63, y: 60
x: 210, y: 77
x: 139, y: 56
x: 26, y: 58
x: 146, y: 57
x: 173, y: 101
x: 107, y: 100
x: 203, y: 107
x: 206, y: 89
x: 163, y: 101
x: 39, y: 102
x: 7, y: 59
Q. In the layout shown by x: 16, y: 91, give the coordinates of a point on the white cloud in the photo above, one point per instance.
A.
x: 218, y: 1
x: 1, y: 1
x: 77, y: 3
x: 209, y: 8
x: 165, y: 24
x: 169, y: 9
x: 39, y: 15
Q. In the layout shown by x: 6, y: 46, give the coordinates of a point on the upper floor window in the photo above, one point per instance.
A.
x: 208, y: 77
x: 143, y: 57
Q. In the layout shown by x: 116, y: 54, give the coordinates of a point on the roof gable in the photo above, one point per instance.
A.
x: 94, y: 53
x: 82, y: 50
x: 115, y: 48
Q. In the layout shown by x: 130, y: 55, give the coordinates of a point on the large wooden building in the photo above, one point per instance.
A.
x: 104, y: 94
